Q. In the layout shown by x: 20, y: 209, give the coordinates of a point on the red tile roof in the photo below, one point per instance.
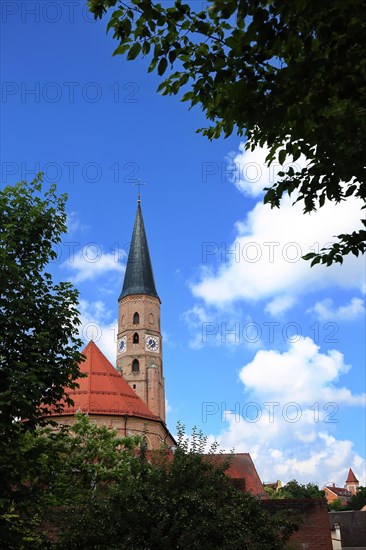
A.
x: 242, y: 468
x: 339, y: 491
x: 351, y: 477
x: 104, y: 391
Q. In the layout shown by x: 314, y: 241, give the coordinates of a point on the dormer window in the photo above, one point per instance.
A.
x: 136, y: 338
x: 135, y: 365
x: 136, y: 318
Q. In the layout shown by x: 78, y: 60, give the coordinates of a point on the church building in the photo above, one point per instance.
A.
x: 131, y: 398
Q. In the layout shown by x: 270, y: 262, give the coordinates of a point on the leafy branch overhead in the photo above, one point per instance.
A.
x: 289, y: 75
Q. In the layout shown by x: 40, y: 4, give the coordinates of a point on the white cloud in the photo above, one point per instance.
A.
x: 302, y: 374
x: 196, y: 319
x: 94, y: 318
x: 320, y: 458
x: 325, y: 310
x: 74, y: 223
x: 168, y: 407
x: 291, y: 407
x: 266, y: 259
x: 212, y: 327
x: 279, y: 305
x: 91, y: 262
x: 249, y: 171
x: 167, y: 339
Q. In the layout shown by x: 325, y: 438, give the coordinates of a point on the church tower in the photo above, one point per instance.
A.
x: 139, y: 342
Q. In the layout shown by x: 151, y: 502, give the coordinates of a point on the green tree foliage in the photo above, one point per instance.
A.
x: 63, y: 474
x: 39, y: 347
x: 294, y: 489
x: 96, y: 490
x: 357, y: 501
x: 289, y: 75
x: 336, y: 504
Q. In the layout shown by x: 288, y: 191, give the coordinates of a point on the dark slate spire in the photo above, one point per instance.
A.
x: 139, y: 276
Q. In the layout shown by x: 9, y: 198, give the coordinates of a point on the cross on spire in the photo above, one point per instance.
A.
x: 139, y: 183
x: 92, y: 333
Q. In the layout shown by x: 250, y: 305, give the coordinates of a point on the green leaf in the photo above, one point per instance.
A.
x: 282, y: 156
x: 315, y: 261
x: 296, y: 154
x: 152, y: 65
x: 121, y: 49
x: 172, y: 56
x: 146, y: 47
x: 350, y: 190
x: 111, y: 24
x: 163, y: 63
x: 187, y: 96
x: 134, y: 51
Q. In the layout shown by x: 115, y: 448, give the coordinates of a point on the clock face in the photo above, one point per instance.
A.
x: 122, y: 345
x: 151, y: 343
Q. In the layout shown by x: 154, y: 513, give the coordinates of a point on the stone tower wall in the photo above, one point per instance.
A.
x: 148, y: 380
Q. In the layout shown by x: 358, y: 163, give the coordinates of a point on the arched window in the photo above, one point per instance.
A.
x: 135, y: 365
x: 136, y: 338
x: 136, y: 318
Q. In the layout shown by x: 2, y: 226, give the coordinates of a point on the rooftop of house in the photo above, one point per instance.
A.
x: 241, y: 467
x: 339, y: 491
x: 352, y: 525
x: 241, y: 470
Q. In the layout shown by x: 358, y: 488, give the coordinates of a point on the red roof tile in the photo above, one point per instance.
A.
x: 104, y: 391
x: 351, y: 477
x: 339, y: 491
x: 242, y: 468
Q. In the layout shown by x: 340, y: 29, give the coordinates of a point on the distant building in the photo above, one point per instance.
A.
x: 352, y: 484
x: 343, y: 494
x: 273, y: 487
x: 333, y: 493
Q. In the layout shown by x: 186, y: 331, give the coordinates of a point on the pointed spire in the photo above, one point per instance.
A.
x: 139, y: 276
x: 351, y: 478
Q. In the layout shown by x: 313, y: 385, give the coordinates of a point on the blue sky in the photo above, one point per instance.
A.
x: 263, y: 353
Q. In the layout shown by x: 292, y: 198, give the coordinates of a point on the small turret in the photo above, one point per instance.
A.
x: 352, y: 482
